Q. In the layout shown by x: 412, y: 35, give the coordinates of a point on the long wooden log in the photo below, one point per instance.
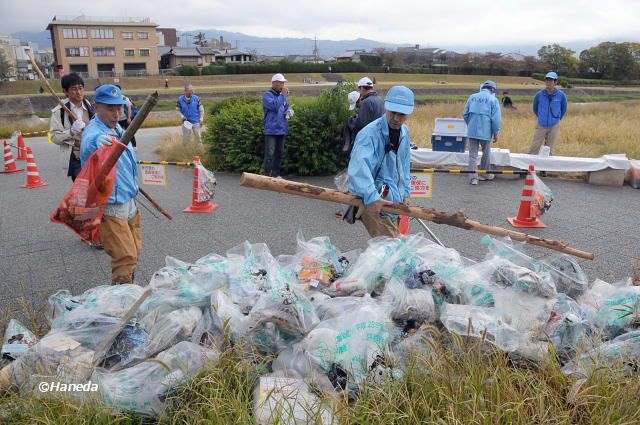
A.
x: 48, y: 86
x: 457, y: 219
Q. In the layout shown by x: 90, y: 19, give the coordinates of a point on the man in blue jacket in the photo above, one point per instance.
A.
x: 276, y: 112
x: 483, y: 118
x: 192, y: 114
x: 550, y: 106
x: 120, y: 227
x: 380, y: 163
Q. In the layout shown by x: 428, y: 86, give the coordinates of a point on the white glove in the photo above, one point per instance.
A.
x: 77, y: 126
x: 104, y: 140
x: 289, y: 113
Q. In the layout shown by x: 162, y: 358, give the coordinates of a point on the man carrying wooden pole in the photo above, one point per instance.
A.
x: 380, y: 164
x: 120, y: 226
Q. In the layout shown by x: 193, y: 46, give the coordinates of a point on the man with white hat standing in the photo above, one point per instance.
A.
x: 276, y: 112
x: 380, y: 164
x: 370, y: 106
x: 192, y: 113
x: 549, y: 106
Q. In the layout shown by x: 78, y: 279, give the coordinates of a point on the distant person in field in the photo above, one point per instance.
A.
x: 166, y: 83
x: 370, y: 106
x: 276, y: 113
x: 348, y: 132
x: 483, y: 118
x: 506, y: 100
x: 66, y: 132
x: 550, y: 106
x: 192, y: 114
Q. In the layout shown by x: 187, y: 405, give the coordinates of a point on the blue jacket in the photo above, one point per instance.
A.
x: 549, y: 108
x: 126, y: 184
x: 482, y: 115
x: 368, y: 158
x: 274, y: 107
x: 191, y: 109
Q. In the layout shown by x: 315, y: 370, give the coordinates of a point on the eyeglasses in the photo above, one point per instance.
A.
x: 549, y: 79
x: 76, y: 88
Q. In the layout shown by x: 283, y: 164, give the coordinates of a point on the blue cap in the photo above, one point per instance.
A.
x: 399, y: 99
x: 551, y: 75
x: 109, y: 95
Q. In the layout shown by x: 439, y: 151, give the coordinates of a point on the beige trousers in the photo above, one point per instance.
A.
x: 379, y: 226
x: 195, y: 130
x: 544, y: 136
x: 122, y: 240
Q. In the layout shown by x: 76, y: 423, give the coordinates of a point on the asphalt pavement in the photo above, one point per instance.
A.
x: 38, y: 258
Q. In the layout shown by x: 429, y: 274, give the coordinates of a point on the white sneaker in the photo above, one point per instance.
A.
x: 473, y: 182
x: 487, y: 177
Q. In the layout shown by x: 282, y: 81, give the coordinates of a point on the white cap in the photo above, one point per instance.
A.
x: 353, y: 99
x: 365, y: 82
x: 278, y: 77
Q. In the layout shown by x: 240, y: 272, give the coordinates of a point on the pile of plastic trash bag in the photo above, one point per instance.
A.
x: 331, y: 321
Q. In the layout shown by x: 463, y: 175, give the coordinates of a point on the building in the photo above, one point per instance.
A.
x: 209, y: 55
x: 235, y: 56
x: 371, y: 58
x: 180, y: 56
x: 104, y: 47
x: 304, y: 59
x: 167, y: 37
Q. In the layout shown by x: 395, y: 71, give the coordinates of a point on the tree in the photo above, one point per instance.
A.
x: 612, y: 61
x: 200, y: 39
x: 559, y: 59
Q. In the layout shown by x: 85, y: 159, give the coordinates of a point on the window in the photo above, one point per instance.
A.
x: 144, y: 52
x: 129, y: 52
x: 143, y: 35
x: 102, y: 33
x: 74, y: 33
x: 127, y: 35
x: 104, y: 51
x: 72, y: 52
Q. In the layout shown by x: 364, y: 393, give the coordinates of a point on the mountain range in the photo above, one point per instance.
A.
x: 326, y: 48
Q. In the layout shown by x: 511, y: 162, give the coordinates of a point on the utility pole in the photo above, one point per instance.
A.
x: 315, y: 49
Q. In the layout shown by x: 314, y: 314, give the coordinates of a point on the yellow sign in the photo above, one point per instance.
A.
x: 421, y: 185
x: 153, y: 175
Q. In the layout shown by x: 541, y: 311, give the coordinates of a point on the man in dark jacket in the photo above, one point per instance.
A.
x: 276, y: 112
x: 370, y: 106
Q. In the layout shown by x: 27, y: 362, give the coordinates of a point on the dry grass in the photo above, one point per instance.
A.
x: 171, y: 148
x: 445, y: 80
x: 588, y: 130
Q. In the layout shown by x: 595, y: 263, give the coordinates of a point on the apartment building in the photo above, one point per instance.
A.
x: 104, y: 47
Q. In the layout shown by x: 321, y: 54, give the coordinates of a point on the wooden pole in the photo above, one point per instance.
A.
x: 48, y: 86
x: 451, y: 219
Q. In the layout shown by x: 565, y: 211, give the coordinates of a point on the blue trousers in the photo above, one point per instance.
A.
x: 273, y: 150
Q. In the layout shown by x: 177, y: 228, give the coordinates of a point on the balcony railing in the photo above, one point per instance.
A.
x: 114, y: 19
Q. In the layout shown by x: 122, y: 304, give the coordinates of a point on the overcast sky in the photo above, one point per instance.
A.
x: 410, y: 21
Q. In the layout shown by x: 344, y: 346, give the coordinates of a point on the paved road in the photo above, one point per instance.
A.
x: 38, y: 258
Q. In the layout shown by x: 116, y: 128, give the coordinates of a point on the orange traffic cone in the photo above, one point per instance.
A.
x: 9, y: 162
x: 403, y: 225
x: 33, y: 176
x: 527, y: 214
x: 22, y: 148
x: 196, y: 205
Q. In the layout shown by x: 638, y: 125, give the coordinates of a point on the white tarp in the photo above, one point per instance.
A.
x: 504, y: 158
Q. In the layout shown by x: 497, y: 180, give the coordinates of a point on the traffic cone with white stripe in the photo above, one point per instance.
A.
x: 9, y: 162
x: 33, y: 176
x: 527, y: 216
x: 196, y: 205
x: 22, y: 148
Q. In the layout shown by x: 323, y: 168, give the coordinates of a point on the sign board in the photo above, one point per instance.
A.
x: 421, y: 185
x: 153, y: 175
